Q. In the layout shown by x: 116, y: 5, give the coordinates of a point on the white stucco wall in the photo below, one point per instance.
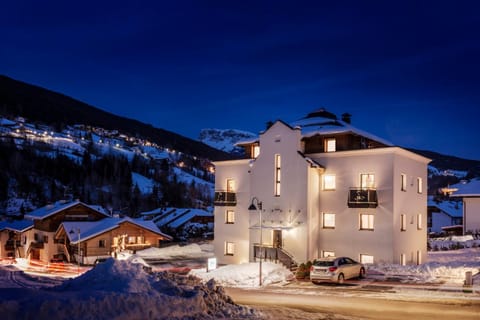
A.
x: 471, y: 213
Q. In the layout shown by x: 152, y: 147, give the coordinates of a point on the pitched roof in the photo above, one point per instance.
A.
x: 89, y: 229
x: 51, y: 209
x: 467, y: 189
x: 16, y: 225
x: 453, y: 208
x: 189, y: 216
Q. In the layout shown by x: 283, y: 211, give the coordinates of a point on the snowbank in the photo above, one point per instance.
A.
x: 123, y: 290
x: 246, y: 274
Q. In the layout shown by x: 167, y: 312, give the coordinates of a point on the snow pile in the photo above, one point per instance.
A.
x: 442, y: 267
x: 176, y: 251
x: 123, y: 290
x: 453, y: 242
x: 246, y: 275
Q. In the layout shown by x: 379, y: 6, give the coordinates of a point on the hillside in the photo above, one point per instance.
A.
x: 37, y: 104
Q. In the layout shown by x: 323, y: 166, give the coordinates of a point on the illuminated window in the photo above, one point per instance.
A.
x: 330, y: 145
x: 230, y: 185
x: 419, y: 222
x: 403, y: 221
x: 366, y: 259
x: 329, y: 182
x: 366, y: 221
x: 367, y: 180
x: 419, y: 257
x: 132, y: 239
x: 419, y: 185
x: 404, y: 182
x: 277, y: 174
x: 328, y: 254
x: 229, y: 248
x: 230, y: 217
x: 328, y: 220
x: 403, y: 259
x: 255, y: 151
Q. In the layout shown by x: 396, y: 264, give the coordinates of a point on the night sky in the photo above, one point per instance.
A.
x: 407, y: 71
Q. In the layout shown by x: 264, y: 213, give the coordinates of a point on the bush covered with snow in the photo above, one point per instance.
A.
x: 123, y: 290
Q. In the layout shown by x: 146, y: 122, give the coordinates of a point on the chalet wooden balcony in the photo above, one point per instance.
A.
x: 225, y: 198
x: 362, y: 198
x: 10, y: 245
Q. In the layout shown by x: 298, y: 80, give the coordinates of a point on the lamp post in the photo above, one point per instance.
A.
x: 257, y: 205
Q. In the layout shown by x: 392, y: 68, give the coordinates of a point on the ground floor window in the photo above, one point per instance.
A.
x: 403, y: 259
x: 229, y: 248
x: 419, y: 257
x: 366, y: 258
x: 328, y: 254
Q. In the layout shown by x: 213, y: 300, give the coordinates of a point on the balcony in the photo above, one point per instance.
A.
x: 225, y: 198
x: 362, y: 198
x: 10, y: 245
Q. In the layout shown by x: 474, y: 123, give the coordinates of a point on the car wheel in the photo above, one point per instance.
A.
x: 341, y: 278
x: 361, y: 275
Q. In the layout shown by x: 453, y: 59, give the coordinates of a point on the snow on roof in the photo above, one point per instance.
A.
x: 6, y: 122
x: 467, y: 189
x: 16, y: 225
x: 51, y: 209
x: 90, y: 229
x: 452, y: 208
x: 157, y: 211
x: 188, y: 216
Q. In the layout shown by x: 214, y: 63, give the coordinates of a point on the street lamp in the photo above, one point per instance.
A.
x: 257, y: 205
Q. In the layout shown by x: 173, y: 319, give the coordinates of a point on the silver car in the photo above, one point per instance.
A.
x: 336, y: 269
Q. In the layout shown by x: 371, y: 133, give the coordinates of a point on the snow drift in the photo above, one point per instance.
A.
x: 123, y: 290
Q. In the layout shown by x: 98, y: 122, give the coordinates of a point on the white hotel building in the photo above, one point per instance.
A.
x: 321, y: 187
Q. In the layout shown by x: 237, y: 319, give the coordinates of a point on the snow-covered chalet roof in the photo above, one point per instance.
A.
x: 188, y: 216
x: 16, y: 225
x: 453, y: 208
x: 51, y: 209
x: 467, y: 189
x: 91, y: 229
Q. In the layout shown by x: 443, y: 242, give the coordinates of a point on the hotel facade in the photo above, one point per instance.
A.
x: 320, y: 187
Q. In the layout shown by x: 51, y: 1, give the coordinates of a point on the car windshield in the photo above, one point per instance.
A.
x: 323, y: 263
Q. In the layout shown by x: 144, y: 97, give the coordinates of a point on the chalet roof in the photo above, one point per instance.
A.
x: 91, y: 229
x: 189, y: 216
x: 51, y: 209
x: 467, y: 189
x: 452, y: 208
x: 16, y: 225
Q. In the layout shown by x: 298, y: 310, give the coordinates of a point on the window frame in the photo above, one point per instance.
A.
x: 278, y: 175
x: 419, y: 185
x: 367, y: 256
x: 404, y: 182
x: 328, y: 145
x: 230, y: 217
x: 370, y: 222
x: 403, y: 222
x: 419, y: 221
x: 324, y: 225
x: 102, y: 243
x: 367, y: 184
x: 324, y: 180
x: 229, y: 248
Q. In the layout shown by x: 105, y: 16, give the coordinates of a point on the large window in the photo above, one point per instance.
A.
x: 329, y: 182
x: 419, y: 185
x: 366, y: 221
x: 328, y: 220
x: 366, y: 258
x: 230, y: 185
x: 328, y: 254
x: 403, y: 221
x: 330, y: 145
x: 229, y: 248
x: 367, y: 180
x: 404, y: 182
x: 278, y: 172
x: 230, y: 217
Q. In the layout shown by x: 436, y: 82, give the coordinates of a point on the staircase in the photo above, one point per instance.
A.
x: 275, y: 254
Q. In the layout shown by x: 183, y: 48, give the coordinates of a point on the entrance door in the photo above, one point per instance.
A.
x: 277, y: 238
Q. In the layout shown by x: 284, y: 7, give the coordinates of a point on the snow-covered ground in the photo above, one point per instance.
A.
x: 122, y: 289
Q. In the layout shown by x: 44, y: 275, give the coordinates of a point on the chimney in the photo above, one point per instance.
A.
x: 347, y: 117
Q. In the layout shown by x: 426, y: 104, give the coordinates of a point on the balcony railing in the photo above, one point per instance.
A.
x: 362, y: 198
x: 224, y: 198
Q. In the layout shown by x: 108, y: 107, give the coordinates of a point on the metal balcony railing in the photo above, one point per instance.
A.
x: 362, y: 198
x: 224, y: 198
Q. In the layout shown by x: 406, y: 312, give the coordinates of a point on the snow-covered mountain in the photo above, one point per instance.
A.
x: 225, y: 139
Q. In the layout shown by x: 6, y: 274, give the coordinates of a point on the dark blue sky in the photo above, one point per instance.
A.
x: 408, y: 71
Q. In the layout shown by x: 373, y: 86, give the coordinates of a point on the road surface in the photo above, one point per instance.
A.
x: 332, y: 304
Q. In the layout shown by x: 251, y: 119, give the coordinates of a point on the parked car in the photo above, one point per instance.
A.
x: 336, y: 269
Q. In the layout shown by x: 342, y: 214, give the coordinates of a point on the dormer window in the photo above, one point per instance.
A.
x: 330, y: 145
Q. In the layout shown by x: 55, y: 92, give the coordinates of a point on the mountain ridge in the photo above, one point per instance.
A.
x: 18, y: 98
